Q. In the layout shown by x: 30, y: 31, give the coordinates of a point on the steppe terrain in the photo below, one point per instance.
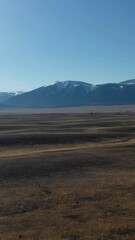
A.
x: 67, y: 176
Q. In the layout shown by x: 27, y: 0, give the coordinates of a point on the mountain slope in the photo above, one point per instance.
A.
x: 75, y: 93
x: 60, y: 94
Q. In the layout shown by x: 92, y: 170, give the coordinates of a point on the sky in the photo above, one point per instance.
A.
x: 43, y: 41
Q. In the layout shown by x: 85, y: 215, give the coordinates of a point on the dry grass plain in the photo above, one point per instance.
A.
x: 67, y: 176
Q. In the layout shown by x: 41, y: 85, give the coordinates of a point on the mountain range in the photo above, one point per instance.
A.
x: 73, y: 93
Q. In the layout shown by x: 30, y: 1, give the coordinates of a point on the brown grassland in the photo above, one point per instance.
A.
x: 67, y: 176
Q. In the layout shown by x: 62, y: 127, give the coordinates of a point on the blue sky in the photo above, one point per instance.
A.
x: 43, y: 41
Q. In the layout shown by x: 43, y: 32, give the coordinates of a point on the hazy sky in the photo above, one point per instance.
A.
x: 43, y: 41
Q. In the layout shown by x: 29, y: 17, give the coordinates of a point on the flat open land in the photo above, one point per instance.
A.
x: 67, y: 176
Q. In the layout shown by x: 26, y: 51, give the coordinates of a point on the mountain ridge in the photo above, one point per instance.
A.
x: 75, y: 93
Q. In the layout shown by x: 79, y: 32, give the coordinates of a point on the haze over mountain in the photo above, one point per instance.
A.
x: 75, y: 93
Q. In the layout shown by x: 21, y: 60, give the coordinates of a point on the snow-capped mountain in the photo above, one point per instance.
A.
x: 70, y: 85
x: 75, y: 93
x: 6, y: 95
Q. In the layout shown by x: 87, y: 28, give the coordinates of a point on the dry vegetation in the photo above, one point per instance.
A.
x: 67, y: 176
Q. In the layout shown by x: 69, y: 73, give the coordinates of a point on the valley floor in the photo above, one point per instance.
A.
x: 67, y: 176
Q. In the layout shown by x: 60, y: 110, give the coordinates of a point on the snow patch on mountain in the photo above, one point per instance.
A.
x: 69, y: 85
x: 14, y: 93
x: 6, y: 95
